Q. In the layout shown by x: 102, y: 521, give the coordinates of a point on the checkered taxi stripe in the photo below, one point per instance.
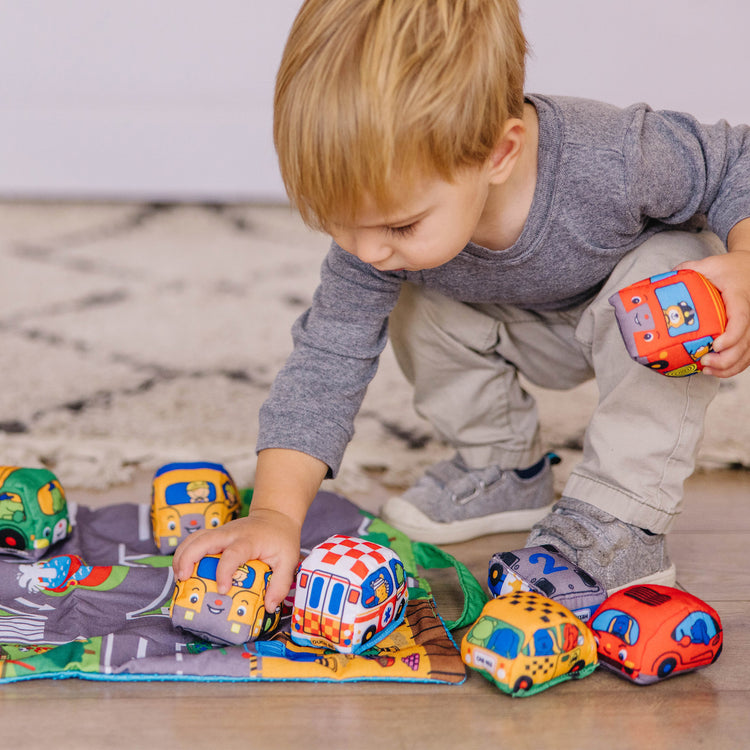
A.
x: 549, y: 611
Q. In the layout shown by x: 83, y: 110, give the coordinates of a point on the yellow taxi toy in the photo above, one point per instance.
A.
x: 524, y: 643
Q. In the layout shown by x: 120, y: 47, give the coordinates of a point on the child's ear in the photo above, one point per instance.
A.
x: 508, y: 149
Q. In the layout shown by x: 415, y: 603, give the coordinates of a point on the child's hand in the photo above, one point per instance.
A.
x: 730, y: 274
x: 267, y: 535
x: 285, y: 484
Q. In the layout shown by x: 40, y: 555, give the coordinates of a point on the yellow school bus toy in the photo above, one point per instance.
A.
x: 232, y: 618
x: 186, y: 497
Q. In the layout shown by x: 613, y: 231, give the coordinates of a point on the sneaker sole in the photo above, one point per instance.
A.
x: 419, y: 527
x: 666, y: 577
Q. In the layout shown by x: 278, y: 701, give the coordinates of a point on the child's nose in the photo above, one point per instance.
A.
x: 373, y: 250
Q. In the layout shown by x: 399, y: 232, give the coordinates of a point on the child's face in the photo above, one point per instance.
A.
x: 434, y: 222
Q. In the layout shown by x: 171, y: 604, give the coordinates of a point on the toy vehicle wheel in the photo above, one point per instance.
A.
x: 666, y: 667
x: 522, y: 683
x: 496, y: 572
x: 268, y: 621
x: 660, y: 364
x: 369, y: 633
x: 546, y: 587
x: 577, y: 667
x: 12, y: 539
x: 717, y: 654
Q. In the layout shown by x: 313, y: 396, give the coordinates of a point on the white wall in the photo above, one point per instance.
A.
x: 688, y: 55
x: 172, y: 99
x: 140, y: 98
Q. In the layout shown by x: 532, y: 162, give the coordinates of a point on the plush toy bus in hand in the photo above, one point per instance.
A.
x: 232, y: 618
x: 670, y: 321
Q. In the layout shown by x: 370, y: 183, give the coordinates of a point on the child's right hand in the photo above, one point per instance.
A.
x: 264, y: 534
x: 285, y: 484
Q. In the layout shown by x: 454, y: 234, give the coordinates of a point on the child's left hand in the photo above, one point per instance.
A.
x: 730, y: 274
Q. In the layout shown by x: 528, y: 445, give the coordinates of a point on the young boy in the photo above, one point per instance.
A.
x: 491, y: 230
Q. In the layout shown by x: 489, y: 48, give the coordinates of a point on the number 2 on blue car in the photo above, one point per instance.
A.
x: 544, y: 570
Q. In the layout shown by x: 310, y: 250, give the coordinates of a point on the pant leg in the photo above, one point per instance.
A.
x: 470, y: 395
x: 463, y: 361
x: 644, y: 435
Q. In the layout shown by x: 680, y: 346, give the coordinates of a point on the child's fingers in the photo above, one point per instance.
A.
x: 231, y: 559
x: 279, y: 585
x: 196, y: 546
x: 731, y: 352
x: 728, y: 362
x: 236, y: 543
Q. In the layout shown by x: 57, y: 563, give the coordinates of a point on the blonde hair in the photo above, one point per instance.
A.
x: 371, y: 92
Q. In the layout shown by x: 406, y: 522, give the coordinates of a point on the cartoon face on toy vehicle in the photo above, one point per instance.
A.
x: 350, y: 593
x: 187, y: 497
x: 33, y: 511
x: 233, y: 618
x: 669, y: 321
x: 525, y: 642
x: 647, y: 633
x: 544, y: 570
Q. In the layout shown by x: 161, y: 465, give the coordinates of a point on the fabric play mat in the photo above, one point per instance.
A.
x: 96, y: 606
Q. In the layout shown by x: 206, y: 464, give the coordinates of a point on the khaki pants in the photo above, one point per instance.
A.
x: 463, y: 361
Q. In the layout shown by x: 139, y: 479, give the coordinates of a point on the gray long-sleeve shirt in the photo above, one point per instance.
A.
x: 608, y: 179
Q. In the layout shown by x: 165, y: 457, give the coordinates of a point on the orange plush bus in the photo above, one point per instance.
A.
x: 668, y: 322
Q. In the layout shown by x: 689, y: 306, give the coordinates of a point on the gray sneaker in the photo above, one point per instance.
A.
x: 610, y: 550
x: 453, y: 503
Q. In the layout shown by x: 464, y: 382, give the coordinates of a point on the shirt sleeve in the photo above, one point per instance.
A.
x: 337, y: 344
x: 677, y: 168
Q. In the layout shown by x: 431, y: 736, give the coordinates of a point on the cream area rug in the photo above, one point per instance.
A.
x: 133, y: 335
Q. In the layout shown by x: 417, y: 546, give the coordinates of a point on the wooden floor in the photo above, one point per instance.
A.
x: 709, y: 708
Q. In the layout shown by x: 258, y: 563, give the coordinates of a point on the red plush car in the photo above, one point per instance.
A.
x: 668, y: 322
x: 647, y: 633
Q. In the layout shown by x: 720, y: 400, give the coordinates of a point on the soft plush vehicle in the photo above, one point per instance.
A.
x: 187, y: 497
x: 647, y: 633
x: 669, y: 321
x: 350, y: 593
x: 33, y: 511
x: 544, y: 570
x: 524, y: 643
x: 232, y: 618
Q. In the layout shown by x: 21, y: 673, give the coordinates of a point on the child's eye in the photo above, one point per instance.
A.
x: 404, y: 231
